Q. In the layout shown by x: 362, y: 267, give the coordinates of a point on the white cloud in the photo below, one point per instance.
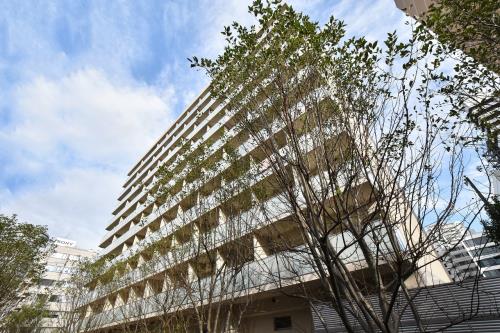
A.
x: 79, y: 135
x: 96, y: 120
x: 75, y: 206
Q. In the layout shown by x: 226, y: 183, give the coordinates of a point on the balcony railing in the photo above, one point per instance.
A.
x: 284, y: 268
x: 243, y: 150
x: 209, y: 117
x: 172, y: 153
x: 247, y: 222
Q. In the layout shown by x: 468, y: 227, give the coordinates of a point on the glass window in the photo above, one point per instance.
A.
x: 282, y: 323
x: 54, y: 298
x: 51, y: 314
x: 53, y: 268
x: 476, y: 241
x: 492, y: 273
x: 60, y: 255
x: 67, y: 270
x: 484, y: 251
x: 46, y: 282
x: 490, y: 262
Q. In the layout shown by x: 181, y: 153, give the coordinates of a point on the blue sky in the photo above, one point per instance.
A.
x: 87, y: 86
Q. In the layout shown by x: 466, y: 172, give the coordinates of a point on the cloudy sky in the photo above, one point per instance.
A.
x: 87, y: 86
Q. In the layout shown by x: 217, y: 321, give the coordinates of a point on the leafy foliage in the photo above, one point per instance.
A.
x: 493, y: 225
x: 23, y: 247
x: 469, y: 25
x: 26, y: 318
x: 400, y: 105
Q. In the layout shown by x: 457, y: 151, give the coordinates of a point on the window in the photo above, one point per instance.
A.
x: 46, y: 282
x: 490, y: 262
x: 54, y: 298
x: 51, y: 314
x: 282, y: 323
x: 460, y: 255
x: 59, y: 255
x: 476, y: 241
x: 52, y: 268
x: 492, y: 273
x: 484, y: 251
x: 67, y: 270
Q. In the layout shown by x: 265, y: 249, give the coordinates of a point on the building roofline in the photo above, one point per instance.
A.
x: 162, y: 136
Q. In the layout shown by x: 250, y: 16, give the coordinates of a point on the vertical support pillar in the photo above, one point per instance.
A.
x: 219, y: 261
x: 107, y: 304
x: 258, y: 249
x: 191, y: 273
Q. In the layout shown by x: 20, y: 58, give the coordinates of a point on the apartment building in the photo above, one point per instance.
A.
x: 214, y: 208
x: 60, y: 266
x: 467, y: 253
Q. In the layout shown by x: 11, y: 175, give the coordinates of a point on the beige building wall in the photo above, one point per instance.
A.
x: 414, y: 7
x: 138, y: 220
x: 59, y: 268
x: 267, y: 313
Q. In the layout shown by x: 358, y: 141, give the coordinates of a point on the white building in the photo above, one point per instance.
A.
x: 59, y: 268
x: 468, y: 254
x: 144, y: 279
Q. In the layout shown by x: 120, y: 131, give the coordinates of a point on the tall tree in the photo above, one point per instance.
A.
x: 473, y: 27
x: 23, y: 247
x: 469, y: 25
x: 360, y: 143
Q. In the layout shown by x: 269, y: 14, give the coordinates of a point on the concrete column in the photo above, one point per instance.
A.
x: 258, y: 249
x: 89, y: 311
x: 167, y: 283
x: 107, y: 304
x: 120, y: 300
x: 191, y: 273
x: 219, y: 261
x: 195, y: 232
x: 132, y: 294
x: 222, y: 216
x: 140, y: 261
x: 180, y: 211
x: 148, y: 289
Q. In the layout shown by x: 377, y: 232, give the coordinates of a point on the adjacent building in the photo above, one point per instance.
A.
x: 468, y: 254
x: 415, y: 7
x: 60, y: 266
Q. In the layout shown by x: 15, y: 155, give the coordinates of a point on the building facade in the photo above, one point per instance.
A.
x: 206, y: 226
x: 468, y: 254
x: 60, y: 266
x: 414, y: 7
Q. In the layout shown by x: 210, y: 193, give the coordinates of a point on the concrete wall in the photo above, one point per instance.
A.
x: 262, y: 314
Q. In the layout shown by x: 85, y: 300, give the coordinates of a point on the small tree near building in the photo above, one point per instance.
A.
x: 361, y: 144
x: 23, y: 247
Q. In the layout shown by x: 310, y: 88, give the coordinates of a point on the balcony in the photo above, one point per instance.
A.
x: 246, y: 223
x: 243, y: 150
x: 182, y: 132
x: 272, y: 272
